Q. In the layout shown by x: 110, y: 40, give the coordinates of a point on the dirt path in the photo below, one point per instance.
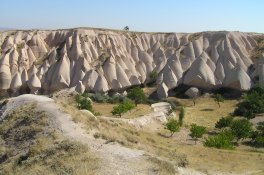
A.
x: 115, y: 158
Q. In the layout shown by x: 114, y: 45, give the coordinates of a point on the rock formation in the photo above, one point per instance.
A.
x: 101, y: 60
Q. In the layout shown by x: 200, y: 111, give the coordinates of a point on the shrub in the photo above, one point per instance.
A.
x: 224, y: 122
x: 197, y: 131
x: 258, y: 135
x: 97, y: 113
x: 118, y: 110
x: 122, y: 108
x: 153, y: 77
x: 173, y: 126
x: 252, y: 103
x: 219, y: 98
x: 221, y: 141
x: 241, y: 128
x: 99, y: 98
x: 115, y: 99
x: 83, y: 103
x: 259, y: 141
x: 137, y: 95
x: 181, y: 116
x: 102, y: 98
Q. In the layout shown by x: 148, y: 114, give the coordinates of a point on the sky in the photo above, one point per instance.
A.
x: 139, y: 15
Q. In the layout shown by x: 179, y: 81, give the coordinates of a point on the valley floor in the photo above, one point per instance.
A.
x: 122, y: 148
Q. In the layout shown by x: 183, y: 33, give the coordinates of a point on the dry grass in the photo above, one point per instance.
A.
x: 206, y: 111
x: 106, y: 108
x: 149, y: 90
x: 68, y: 105
x: 32, y: 146
x: 175, y: 152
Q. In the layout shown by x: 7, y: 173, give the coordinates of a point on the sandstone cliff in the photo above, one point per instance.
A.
x: 102, y: 60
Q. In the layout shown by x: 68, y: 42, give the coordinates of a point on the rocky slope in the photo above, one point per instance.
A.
x: 102, y: 60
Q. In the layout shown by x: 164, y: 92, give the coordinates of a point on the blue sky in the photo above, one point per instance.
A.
x: 139, y: 15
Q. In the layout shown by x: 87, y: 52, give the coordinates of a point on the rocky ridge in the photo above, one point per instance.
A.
x: 97, y: 60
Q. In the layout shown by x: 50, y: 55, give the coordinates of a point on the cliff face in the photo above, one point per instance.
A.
x: 100, y: 60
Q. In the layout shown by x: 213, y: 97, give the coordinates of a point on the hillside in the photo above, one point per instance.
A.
x: 98, y: 60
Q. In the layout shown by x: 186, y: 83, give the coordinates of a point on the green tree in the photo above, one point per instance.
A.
x: 83, y: 103
x: 118, y: 110
x: 181, y: 116
x: 197, y: 131
x: 126, y: 28
x: 221, y: 141
x: 122, y: 108
x: 137, y: 95
x: 224, y: 122
x: 241, y: 128
x: 252, y: 103
x: 218, y: 98
x: 173, y: 126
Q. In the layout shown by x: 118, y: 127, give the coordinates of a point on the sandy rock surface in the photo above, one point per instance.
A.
x: 100, y: 60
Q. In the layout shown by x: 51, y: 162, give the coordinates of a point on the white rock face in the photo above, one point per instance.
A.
x: 103, y: 60
x: 161, y: 107
x: 162, y: 91
x: 192, y: 92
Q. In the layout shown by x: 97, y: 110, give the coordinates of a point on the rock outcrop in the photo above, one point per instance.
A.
x: 102, y: 60
x: 192, y: 92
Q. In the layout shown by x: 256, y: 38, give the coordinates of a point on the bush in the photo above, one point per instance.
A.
x: 153, y: 78
x: 137, y: 95
x: 241, y: 128
x: 102, y: 98
x: 122, y: 108
x: 224, y: 122
x: 252, y: 104
x: 116, y: 99
x: 99, y: 98
x: 221, y: 141
x: 197, y: 131
x: 83, y: 103
x: 181, y: 116
x: 219, y: 98
x: 259, y: 141
x: 260, y: 128
x: 173, y: 126
x: 258, y: 135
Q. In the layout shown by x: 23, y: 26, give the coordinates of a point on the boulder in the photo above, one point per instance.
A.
x: 192, y: 92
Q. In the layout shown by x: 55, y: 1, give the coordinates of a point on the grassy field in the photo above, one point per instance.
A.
x: 105, y: 110
x: 180, y: 149
x: 206, y: 112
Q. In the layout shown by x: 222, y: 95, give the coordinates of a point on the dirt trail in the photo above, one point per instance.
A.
x: 115, y: 159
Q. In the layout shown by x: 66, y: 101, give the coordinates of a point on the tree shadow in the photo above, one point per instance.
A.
x: 207, y: 109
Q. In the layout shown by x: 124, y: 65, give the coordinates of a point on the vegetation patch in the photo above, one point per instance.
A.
x: 122, y: 108
x: 31, y: 145
x: 197, y: 132
x: 221, y: 141
x: 173, y: 126
x: 252, y: 103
